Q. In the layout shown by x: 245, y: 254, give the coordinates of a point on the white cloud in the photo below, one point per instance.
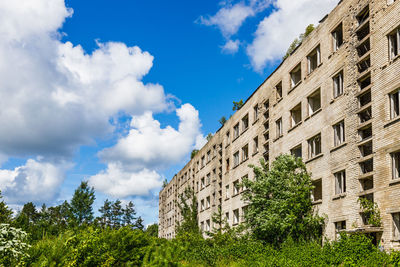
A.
x: 231, y: 47
x: 56, y: 97
x: 229, y: 18
x: 276, y: 31
x: 35, y: 181
x: 133, y: 161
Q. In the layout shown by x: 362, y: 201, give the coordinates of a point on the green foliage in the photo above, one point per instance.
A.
x: 222, y: 120
x: 371, y: 211
x: 81, y: 203
x: 187, y: 204
x: 152, y: 230
x: 13, y: 245
x: 237, y: 105
x: 194, y: 152
x: 296, y: 42
x: 280, y: 202
x: 209, y: 136
x: 5, y: 212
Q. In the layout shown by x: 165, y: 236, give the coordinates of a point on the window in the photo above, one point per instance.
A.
x: 314, y: 59
x: 202, y: 226
x: 278, y: 89
x: 208, y: 179
x: 295, y: 76
x: 245, y: 123
x: 338, y: 132
x: 337, y: 37
x: 203, y: 159
x: 367, y: 166
x: 340, y: 182
x: 245, y: 152
x: 227, y: 216
x: 202, y: 204
x: 314, y: 102
x: 208, y: 202
x: 203, y: 184
x: 227, y: 165
x: 236, y: 216
x: 209, y: 156
x: 228, y: 138
x: 396, y: 225
x: 236, y: 131
x: 227, y: 191
x: 394, y: 43
x: 279, y: 130
x: 255, y: 145
x: 208, y: 225
x: 235, y: 188
x: 395, y: 104
x: 255, y: 108
x: 314, y: 146
x: 338, y: 84
x: 317, y: 190
x: 395, y: 165
x: 339, y: 226
x: 296, y: 151
x: 295, y: 115
x: 236, y: 159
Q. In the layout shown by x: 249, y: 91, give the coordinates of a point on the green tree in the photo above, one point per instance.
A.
x: 5, y: 212
x: 194, y: 152
x: 237, y: 105
x: 296, y: 42
x: 106, y: 214
x: 82, y: 202
x: 139, y: 223
x: 280, y: 203
x: 221, y: 224
x: 152, y: 230
x: 222, y: 120
x: 187, y: 204
x: 116, y: 214
x: 209, y: 136
x: 129, y: 213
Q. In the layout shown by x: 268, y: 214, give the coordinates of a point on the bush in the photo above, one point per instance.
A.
x: 13, y: 245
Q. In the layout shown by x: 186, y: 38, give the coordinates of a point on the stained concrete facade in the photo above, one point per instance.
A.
x: 332, y: 102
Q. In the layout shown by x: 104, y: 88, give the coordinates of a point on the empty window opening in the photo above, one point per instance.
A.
x: 236, y: 131
x: 364, y: 81
x: 366, y: 149
x: 364, y: 65
x: 296, y: 151
x: 367, y: 184
x: 266, y: 136
x: 317, y: 190
x: 314, y: 102
x: 338, y: 84
x: 295, y: 76
x: 266, y: 114
x: 394, y: 104
x: 365, y: 115
x: 278, y: 89
x: 340, y: 226
x: 337, y: 37
x: 314, y: 146
x: 208, y: 225
x: 365, y: 132
x: 245, y: 123
x: 363, y: 32
x: 208, y: 204
x: 363, y: 48
x: 363, y: 15
x: 364, y: 99
x: 396, y: 226
x: 227, y: 164
x: 367, y: 166
x: 394, y: 43
x: 236, y: 188
x: 255, y: 144
x: 236, y: 159
x: 245, y: 152
x: 339, y: 135
x: 266, y: 126
x: 340, y: 182
x: 314, y: 59
x: 227, y: 191
x: 255, y: 112
x: 395, y: 165
x: 279, y: 130
x: 236, y: 216
x: 295, y: 115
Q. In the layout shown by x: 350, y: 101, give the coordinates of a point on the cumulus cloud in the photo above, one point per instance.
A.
x: 231, y: 47
x: 147, y: 147
x: 36, y: 180
x: 276, y: 31
x: 55, y: 97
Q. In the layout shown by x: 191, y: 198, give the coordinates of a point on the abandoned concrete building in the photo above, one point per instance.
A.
x: 335, y: 102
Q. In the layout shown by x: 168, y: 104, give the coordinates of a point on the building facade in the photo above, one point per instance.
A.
x: 335, y: 102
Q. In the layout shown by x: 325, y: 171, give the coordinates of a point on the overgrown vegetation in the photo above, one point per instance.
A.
x: 296, y: 42
x: 280, y: 229
x: 237, y: 105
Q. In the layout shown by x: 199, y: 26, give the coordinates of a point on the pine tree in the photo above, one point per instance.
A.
x: 116, y: 214
x: 105, y: 210
x: 81, y: 203
x: 5, y: 212
x: 139, y: 223
x: 129, y: 214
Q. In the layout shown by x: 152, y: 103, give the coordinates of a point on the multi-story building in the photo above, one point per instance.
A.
x: 335, y: 102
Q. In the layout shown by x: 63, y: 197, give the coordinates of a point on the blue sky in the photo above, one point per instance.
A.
x: 103, y: 90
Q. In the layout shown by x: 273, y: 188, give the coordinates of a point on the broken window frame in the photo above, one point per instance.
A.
x: 337, y: 37
x: 294, y: 151
x: 338, y: 84
x: 245, y: 152
x: 236, y: 131
x: 313, y: 104
x: 236, y: 159
x: 339, y: 134
x: 295, y: 73
x: 340, y: 182
x: 314, y: 146
x: 394, y: 43
x: 315, y: 55
x: 394, y: 98
x: 295, y: 115
x: 395, y: 157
